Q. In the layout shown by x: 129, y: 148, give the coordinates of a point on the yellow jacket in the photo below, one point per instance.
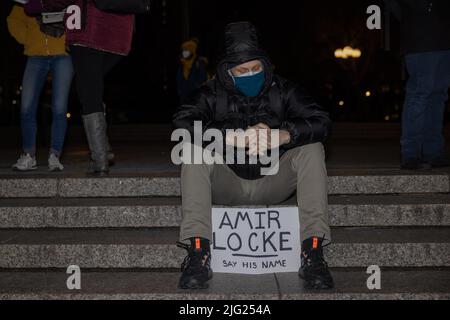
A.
x: 26, y: 31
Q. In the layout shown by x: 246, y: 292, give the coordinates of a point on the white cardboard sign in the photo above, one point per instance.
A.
x: 255, y: 240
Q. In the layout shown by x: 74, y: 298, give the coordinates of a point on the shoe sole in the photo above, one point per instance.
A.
x: 195, y: 284
x: 316, y: 284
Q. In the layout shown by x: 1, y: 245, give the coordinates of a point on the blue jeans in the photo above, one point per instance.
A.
x: 426, y: 97
x: 34, y: 78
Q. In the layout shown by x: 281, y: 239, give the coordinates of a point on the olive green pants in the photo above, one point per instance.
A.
x: 301, y: 170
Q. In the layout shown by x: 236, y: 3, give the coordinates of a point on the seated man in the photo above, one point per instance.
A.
x: 247, y: 95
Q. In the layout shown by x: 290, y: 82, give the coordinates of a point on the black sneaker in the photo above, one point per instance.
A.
x: 314, y: 270
x: 415, y: 164
x: 442, y: 161
x: 196, y: 267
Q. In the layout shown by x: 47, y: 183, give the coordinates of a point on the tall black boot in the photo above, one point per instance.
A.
x: 95, y: 127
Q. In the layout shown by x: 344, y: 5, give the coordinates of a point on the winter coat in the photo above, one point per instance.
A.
x: 296, y: 111
x: 197, y: 77
x: 104, y: 31
x: 27, y: 32
x: 424, y: 24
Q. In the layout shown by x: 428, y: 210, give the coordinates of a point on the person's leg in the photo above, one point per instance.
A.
x: 62, y: 72
x: 433, y: 147
x: 304, y: 169
x: 198, y: 183
x: 88, y: 66
x: 34, y: 78
x: 418, y: 91
x: 301, y: 170
x: 308, y: 162
x: 196, y: 201
x: 109, y: 62
x: 201, y: 186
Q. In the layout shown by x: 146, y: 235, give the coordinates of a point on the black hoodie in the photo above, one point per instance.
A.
x: 218, y: 104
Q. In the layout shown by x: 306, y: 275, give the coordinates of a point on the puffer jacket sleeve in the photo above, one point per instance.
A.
x: 305, y: 120
x: 200, y: 107
x: 17, y: 24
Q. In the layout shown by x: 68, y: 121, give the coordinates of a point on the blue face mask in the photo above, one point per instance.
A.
x: 250, y: 85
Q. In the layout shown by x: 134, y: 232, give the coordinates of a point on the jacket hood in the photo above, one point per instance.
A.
x: 242, y: 45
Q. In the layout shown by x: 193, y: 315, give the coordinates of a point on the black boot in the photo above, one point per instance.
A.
x: 95, y: 127
x: 196, y: 267
x: 314, y: 270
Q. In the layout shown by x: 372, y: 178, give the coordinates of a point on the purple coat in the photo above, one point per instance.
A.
x: 103, y: 31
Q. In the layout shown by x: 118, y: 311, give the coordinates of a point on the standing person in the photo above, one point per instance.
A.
x: 192, y: 70
x: 45, y: 47
x: 246, y: 94
x: 104, y: 39
x: 425, y: 34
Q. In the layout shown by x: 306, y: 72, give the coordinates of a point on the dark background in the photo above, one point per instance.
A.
x: 300, y: 36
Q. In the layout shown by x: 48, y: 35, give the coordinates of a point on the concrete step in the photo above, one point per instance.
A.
x: 168, y: 184
x: 407, y: 284
x: 344, y: 211
x: 155, y: 248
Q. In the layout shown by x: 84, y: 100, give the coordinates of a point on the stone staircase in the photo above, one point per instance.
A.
x: 122, y: 230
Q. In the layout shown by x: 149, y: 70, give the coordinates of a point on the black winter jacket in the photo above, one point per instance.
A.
x: 218, y: 104
x: 424, y: 24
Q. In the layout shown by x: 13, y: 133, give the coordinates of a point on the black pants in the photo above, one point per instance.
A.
x: 90, y: 68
